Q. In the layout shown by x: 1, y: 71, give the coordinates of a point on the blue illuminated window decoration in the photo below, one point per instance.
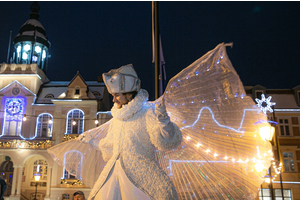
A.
x: 13, y: 115
x: 78, y: 116
x: 73, y: 167
x: 238, y: 130
x: 43, y: 127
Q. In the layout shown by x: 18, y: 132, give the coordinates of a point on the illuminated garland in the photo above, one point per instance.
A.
x: 26, y: 144
x: 68, y: 137
x: 71, y: 182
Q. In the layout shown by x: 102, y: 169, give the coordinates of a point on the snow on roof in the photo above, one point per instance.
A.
x: 56, y: 88
x: 33, y: 22
x: 284, y: 101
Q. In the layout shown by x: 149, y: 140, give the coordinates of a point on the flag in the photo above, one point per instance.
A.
x: 162, y: 71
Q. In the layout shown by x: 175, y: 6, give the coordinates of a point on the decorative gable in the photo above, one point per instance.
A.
x: 257, y: 91
x: 15, y: 89
x: 296, y: 91
x: 77, y: 88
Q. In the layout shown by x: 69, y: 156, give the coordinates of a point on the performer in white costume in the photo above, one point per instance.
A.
x: 221, y: 154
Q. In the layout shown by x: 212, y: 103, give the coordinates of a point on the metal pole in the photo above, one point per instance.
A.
x: 156, y: 44
x: 8, y: 51
x: 271, y: 185
x: 35, y: 190
x: 278, y: 156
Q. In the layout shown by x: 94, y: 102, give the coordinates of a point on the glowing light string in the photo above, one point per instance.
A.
x: 192, y: 161
x: 223, y: 126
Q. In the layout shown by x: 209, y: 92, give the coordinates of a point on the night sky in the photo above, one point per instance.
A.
x: 94, y: 37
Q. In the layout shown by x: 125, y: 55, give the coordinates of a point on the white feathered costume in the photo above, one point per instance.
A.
x: 221, y: 156
x: 132, y: 137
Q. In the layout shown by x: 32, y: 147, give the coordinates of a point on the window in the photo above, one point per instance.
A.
x: 264, y: 194
x: 44, y: 125
x: 284, y: 127
x: 258, y: 93
x: 40, y: 167
x: 73, y: 160
x: 288, y: 162
x: 67, y: 175
x: 75, y: 122
x: 77, y: 91
x: 51, y: 96
x: 14, y: 110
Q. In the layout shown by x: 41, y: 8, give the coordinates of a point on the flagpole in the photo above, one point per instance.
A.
x: 156, y: 47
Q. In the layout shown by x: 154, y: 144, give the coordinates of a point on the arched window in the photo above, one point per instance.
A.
x: 40, y: 167
x: 75, y: 165
x: 50, y: 96
x: 96, y: 93
x: 75, y: 122
x: 44, y: 124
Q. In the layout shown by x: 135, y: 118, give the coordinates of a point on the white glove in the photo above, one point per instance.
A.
x: 166, y: 127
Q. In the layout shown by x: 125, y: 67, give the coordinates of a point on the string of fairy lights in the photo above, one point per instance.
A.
x: 50, y: 120
x: 217, y: 155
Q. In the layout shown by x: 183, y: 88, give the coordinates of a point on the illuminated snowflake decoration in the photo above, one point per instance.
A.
x: 265, y: 104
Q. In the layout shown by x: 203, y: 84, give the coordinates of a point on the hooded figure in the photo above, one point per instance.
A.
x: 136, y: 130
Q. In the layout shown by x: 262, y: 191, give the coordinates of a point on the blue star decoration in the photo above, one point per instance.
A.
x: 265, y: 104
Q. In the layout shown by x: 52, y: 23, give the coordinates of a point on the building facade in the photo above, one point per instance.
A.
x: 286, y: 119
x: 36, y: 113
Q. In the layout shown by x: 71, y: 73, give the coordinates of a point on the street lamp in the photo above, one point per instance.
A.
x: 36, y: 178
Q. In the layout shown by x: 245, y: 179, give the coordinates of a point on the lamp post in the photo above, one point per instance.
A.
x: 36, y: 178
x: 266, y: 133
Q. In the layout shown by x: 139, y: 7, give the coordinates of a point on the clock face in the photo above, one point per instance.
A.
x: 15, y: 91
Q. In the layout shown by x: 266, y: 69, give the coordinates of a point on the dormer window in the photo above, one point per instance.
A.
x: 77, y: 91
x: 258, y: 93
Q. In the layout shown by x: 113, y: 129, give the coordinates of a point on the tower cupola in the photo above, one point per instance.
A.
x: 31, y: 44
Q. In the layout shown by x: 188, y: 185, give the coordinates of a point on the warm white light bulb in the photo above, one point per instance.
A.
x: 259, y: 167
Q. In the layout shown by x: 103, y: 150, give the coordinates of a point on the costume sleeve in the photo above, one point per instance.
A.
x: 106, y: 146
x: 77, y: 156
x: 156, y: 132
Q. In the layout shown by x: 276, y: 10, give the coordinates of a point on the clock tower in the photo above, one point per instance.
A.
x: 29, y: 62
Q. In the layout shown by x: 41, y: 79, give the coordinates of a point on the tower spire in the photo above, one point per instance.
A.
x: 35, y: 8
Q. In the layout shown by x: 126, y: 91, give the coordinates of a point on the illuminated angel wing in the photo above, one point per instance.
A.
x: 222, y: 150
x: 79, y: 158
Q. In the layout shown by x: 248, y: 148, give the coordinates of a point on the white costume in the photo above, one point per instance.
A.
x: 218, y: 157
x: 132, y: 137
